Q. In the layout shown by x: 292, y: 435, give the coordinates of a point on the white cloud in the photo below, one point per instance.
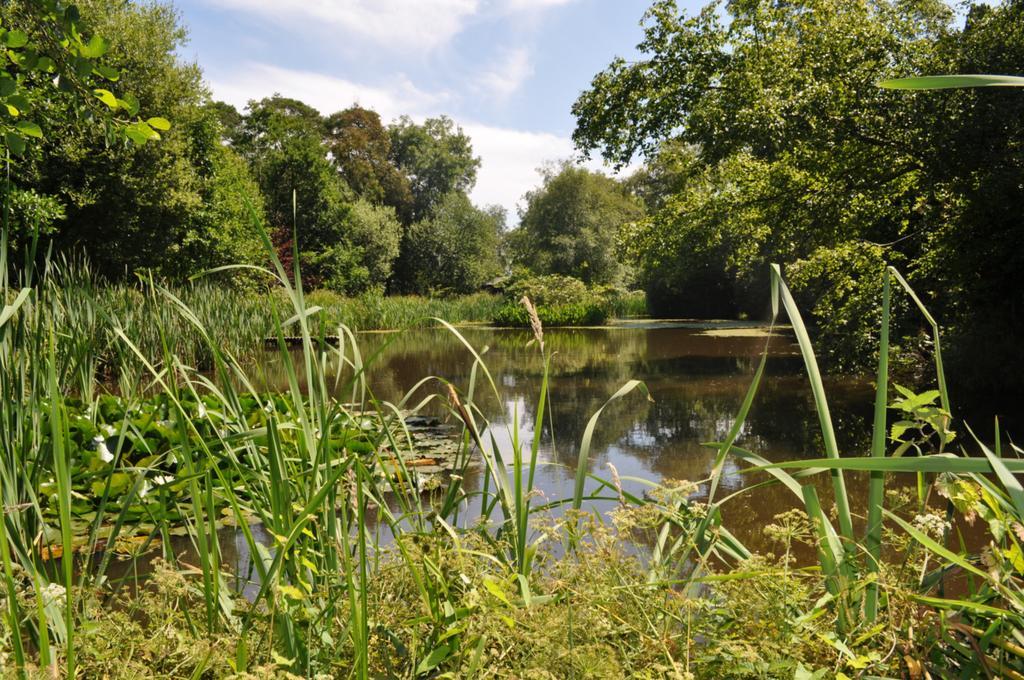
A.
x: 325, y: 93
x: 508, y: 74
x: 509, y: 162
x: 399, y: 24
x: 533, y: 5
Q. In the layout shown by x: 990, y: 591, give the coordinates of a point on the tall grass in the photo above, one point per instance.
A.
x: 310, y: 471
x: 301, y: 466
x: 993, y: 640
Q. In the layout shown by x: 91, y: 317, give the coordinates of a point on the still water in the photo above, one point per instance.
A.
x: 697, y: 375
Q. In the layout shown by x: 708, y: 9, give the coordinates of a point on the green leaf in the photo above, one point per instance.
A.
x: 108, y: 72
x: 291, y: 592
x: 130, y: 104
x: 951, y: 81
x: 18, y: 101
x: 83, y: 67
x: 107, y: 97
x: 140, y: 133
x: 15, y: 143
x: 432, y: 660
x: 12, y: 110
x: 30, y: 129
x: 496, y: 590
x: 159, y: 123
x: 46, y: 64
x: 16, y: 39
x: 96, y: 48
x: 7, y: 86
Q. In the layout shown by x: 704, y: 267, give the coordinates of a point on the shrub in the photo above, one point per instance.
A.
x: 573, y: 314
x: 567, y: 301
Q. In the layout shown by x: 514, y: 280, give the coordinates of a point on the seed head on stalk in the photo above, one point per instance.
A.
x: 538, y: 329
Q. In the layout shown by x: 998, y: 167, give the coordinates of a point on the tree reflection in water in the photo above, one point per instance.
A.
x: 697, y: 381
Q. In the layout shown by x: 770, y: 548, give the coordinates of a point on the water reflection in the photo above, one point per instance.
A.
x: 696, y: 379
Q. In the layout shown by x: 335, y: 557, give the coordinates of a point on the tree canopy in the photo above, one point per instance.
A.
x: 767, y: 139
x: 571, y: 225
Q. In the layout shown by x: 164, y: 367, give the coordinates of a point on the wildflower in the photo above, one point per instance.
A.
x: 108, y: 430
x: 101, y: 448
x: 201, y: 410
x: 53, y: 593
x: 144, y: 488
x: 163, y: 479
x: 931, y: 524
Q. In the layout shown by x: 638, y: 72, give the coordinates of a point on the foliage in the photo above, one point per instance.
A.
x: 373, y: 311
x: 773, y: 141
x: 567, y: 314
x: 50, y: 54
x: 567, y: 301
x: 184, y: 198
x: 841, y: 285
x: 360, y: 148
x: 553, y: 289
x: 571, y: 225
x: 972, y: 155
x: 436, y: 157
x: 455, y: 250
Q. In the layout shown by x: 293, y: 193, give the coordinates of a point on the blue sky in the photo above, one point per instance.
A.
x: 506, y: 70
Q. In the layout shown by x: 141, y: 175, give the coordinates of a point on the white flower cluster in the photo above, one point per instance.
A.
x: 53, y: 593
x: 101, y: 448
x: 931, y: 524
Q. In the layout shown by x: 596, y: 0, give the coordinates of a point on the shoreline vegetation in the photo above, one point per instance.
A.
x: 164, y: 515
x: 657, y: 588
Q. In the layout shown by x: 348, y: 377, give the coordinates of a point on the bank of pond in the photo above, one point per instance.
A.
x: 643, y: 499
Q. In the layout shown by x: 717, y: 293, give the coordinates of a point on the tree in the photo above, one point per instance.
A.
x: 970, y: 258
x: 360, y: 149
x: 796, y: 148
x: 571, y: 225
x: 377, y: 233
x: 50, y: 54
x: 134, y: 207
x: 346, y: 243
x: 456, y: 249
x: 437, y: 157
x: 282, y: 140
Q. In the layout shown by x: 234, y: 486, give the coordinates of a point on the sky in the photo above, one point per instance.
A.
x: 507, y: 71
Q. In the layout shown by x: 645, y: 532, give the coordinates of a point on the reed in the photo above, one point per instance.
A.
x: 317, y: 491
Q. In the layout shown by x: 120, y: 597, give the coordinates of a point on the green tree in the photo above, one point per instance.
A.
x: 796, y: 148
x: 437, y: 158
x: 571, y: 225
x: 347, y: 244
x: 144, y: 207
x: 969, y: 259
x: 282, y: 139
x: 360, y: 149
x: 377, y: 233
x: 456, y: 249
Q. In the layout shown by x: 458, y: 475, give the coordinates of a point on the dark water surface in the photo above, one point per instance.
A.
x: 697, y: 375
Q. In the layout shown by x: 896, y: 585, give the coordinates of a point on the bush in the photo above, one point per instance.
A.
x: 551, y: 290
x: 573, y: 314
x: 567, y: 301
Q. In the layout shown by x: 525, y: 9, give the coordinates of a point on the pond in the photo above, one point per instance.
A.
x: 697, y: 375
